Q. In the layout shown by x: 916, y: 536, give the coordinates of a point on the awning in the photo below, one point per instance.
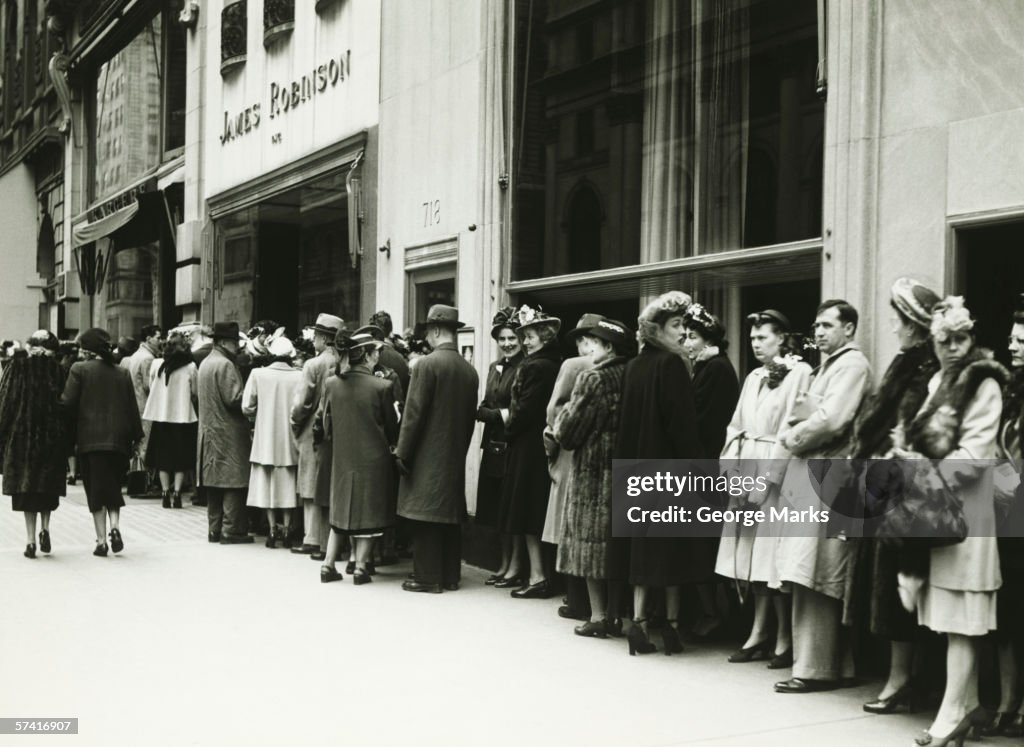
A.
x: 177, y: 176
x: 85, y: 233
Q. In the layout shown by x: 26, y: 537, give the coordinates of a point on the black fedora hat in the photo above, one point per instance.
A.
x: 439, y: 313
x: 372, y: 330
x: 586, y: 323
x: 225, y: 331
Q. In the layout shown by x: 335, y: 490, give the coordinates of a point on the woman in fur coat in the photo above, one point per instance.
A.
x: 872, y: 598
x: 958, y: 425
x: 586, y: 426
x: 32, y: 440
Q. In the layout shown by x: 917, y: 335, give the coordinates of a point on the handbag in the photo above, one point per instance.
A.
x: 929, y: 512
x: 138, y: 477
x: 494, y: 458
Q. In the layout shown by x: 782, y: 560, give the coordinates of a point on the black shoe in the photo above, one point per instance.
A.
x: 670, y: 639
x: 901, y: 700
x: 44, y: 540
x: 236, y: 539
x: 570, y: 614
x: 371, y: 568
x: 493, y: 579
x: 451, y: 587
x: 591, y: 629
x: 166, y: 502
x: 116, y: 541
x: 271, y: 542
x: 614, y: 627
x: 361, y: 577
x: 318, y: 555
x: 305, y: 549
x: 213, y: 537
x: 175, y: 500
x: 350, y: 567
x: 800, y: 685
x: 101, y: 550
x: 783, y: 660
x: 539, y: 590
x: 71, y: 479
x: 411, y: 585
x: 757, y: 652
x: 30, y: 550
x: 639, y: 643
x: 509, y: 582
x: 328, y: 574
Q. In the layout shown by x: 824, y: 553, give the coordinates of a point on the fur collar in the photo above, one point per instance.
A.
x: 935, y: 431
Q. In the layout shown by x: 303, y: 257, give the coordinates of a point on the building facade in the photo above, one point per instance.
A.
x: 587, y: 155
x: 288, y: 145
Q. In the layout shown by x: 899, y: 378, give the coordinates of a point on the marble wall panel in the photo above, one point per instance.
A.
x: 986, y: 163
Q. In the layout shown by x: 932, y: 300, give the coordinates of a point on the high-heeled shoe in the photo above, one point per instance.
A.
x: 670, y: 639
x: 509, y: 582
x: 783, y: 660
x: 957, y: 736
x: 493, y: 579
x: 175, y: 499
x: 361, y: 577
x: 44, y: 540
x: 30, y: 550
x: 591, y: 629
x: 614, y: 627
x: 101, y: 550
x: 757, y: 652
x: 901, y: 700
x: 272, y: 538
x: 329, y: 573
x: 166, y: 502
x: 116, y: 540
x: 638, y: 641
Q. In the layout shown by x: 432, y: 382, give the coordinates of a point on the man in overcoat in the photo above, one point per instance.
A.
x: 815, y: 566
x: 314, y: 375
x: 222, y: 464
x: 437, y: 427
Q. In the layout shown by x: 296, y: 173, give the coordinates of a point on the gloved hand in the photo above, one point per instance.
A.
x: 488, y: 415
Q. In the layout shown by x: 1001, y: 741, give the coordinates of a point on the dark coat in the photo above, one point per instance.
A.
x: 437, y: 427
x: 587, y: 426
x: 527, y: 483
x: 32, y: 440
x: 391, y: 358
x: 223, y: 448
x: 497, y: 396
x: 659, y: 421
x: 101, y: 399
x: 364, y: 483
x: 716, y: 390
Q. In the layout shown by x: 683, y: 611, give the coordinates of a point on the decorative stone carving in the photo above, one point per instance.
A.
x: 58, y: 68
x: 278, y: 20
x: 233, y: 36
x: 322, y: 5
x: 189, y: 15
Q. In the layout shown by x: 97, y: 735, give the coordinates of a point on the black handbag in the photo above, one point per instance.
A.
x: 926, y: 510
x: 494, y: 458
x: 138, y: 477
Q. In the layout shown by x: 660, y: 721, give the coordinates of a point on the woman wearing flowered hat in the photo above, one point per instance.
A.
x: 493, y: 411
x: 957, y: 427
x: 659, y: 421
x: 527, y: 484
x: 872, y: 598
x: 747, y: 554
x: 274, y: 457
x: 32, y: 440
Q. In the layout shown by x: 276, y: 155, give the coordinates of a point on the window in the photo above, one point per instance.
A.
x: 712, y: 107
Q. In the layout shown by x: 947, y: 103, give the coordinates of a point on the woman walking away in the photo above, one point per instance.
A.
x: 275, y: 455
x: 32, y: 441
x: 360, y: 416
x: 171, y: 408
x: 101, y: 399
x: 492, y: 413
x: 958, y: 427
x: 527, y: 483
x: 659, y: 421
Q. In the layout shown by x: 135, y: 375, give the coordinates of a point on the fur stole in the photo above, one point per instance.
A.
x: 935, y: 431
x: 903, y: 390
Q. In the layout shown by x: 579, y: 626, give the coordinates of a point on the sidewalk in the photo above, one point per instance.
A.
x: 180, y: 642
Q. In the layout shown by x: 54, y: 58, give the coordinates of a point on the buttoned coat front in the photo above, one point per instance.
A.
x: 100, y: 398
x: 223, y: 449
x: 307, y: 399
x: 437, y: 427
x: 837, y: 389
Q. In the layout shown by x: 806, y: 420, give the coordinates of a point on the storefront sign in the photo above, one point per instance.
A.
x: 122, y: 200
x: 287, y: 96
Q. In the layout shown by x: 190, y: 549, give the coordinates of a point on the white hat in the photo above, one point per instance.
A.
x: 281, y: 347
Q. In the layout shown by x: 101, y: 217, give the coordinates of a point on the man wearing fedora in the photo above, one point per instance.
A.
x: 314, y: 376
x: 437, y: 426
x: 222, y: 463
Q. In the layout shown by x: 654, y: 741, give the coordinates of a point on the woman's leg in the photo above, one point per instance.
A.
x: 506, y: 555
x: 99, y: 520
x: 30, y: 526
x: 900, y: 660
x: 165, y: 480
x: 114, y: 515
x: 362, y: 548
x: 961, y: 685
x: 783, y: 604
x: 759, y: 631
x: 533, y: 550
x: 45, y: 515
x: 179, y: 481
x: 334, y: 541
x: 673, y: 604
x: 1009, y: 694
x: 640, y: 604
x: 271, y: 522
x: 515, y: 560
x: 597, y: 591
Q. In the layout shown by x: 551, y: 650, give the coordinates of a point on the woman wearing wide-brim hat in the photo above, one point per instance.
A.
x: 527, y: 483
x: 493, y: 410
x: 101, y: 399
x: 361, y: 419
x: 32, y: 440
x: 274, y: 457
x: 587, y: 426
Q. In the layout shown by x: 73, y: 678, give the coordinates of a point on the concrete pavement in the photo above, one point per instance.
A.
x: 179, y: 642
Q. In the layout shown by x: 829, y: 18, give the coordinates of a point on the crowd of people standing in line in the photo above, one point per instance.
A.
x: 358, y: 437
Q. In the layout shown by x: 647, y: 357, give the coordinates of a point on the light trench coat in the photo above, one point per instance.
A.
x: 748, y: 553
x: 307, y: 399
x: 837, y: 389
x: 267, y: 399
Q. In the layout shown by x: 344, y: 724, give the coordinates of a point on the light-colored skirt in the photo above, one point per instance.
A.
x: 559, y: 472
x: 964, y: 612
x: 272, y: 487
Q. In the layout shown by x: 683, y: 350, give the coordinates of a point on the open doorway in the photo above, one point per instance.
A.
x: 989, y: 273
